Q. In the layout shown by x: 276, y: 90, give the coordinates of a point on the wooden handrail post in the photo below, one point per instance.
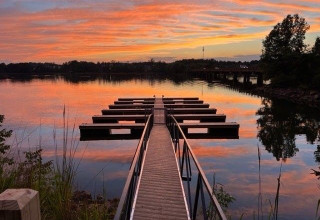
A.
x: 20, y: 204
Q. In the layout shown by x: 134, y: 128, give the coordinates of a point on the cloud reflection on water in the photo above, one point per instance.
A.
x: 234, y: 161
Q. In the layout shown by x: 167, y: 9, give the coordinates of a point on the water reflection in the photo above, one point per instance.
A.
x: 317, y: 154
x: 283, y: 128
x: 278, y: 124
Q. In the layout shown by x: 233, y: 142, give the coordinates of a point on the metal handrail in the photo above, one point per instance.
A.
x: 175, y: 130
x: 129, y: 190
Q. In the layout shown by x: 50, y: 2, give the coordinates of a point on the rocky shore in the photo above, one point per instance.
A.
x: 310, y: 98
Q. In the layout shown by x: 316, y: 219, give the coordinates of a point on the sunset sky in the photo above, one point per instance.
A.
x: 138, y: 30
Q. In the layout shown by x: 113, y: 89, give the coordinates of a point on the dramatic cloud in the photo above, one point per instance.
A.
x: 55, y: 30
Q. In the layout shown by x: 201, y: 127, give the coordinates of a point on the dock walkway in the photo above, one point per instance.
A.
x: 154, y: 187
x: 160, y: 194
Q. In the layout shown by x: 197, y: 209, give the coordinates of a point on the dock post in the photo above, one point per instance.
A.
x: 185, y: 130
x: 20, y: 204
x: 235, y: 77
x: 136, y: 131
x: 260, y: 79
x: 95, y: 132
x: 215, y: 76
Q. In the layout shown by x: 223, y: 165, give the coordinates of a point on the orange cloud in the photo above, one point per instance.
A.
x: 102, y: 31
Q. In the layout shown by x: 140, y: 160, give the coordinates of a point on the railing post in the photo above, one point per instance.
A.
x: 202, y: 180
x: 196, y: 199
x: 204, y: 208
x: 20, y: 204
x: 182, y: 162
x: 178, y: 143
x: 188, y: 177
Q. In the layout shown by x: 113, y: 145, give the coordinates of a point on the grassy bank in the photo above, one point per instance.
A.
x: 54, y: 180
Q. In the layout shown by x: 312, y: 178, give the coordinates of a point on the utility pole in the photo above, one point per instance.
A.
x: 203, y: 52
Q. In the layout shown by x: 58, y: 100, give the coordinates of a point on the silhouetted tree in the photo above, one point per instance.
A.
x: 316, y: 47
x: 277, y: 133
x: 317, y: 154
x: 286, y: 38
x: 280, y: 122
x: 283, y: 46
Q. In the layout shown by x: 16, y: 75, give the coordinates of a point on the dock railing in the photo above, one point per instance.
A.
x: 202, y: 182
x: 129, y: 190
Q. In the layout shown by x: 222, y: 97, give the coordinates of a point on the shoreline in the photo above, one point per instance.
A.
x: 308, y: 97
x: 299, y: 96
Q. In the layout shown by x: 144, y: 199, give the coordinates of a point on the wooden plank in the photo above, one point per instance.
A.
x: 89, y: 126
x: 205, y: 105
x: 159, y: 117
x: 131, y: 106
x: 135, y: 102
x: 183, y: 101
x: 164, y: 98
x: 138, y: 98
x: 146, y: 106
x: 126, y: 111
x: 117, y: 118
x: 215, y: 129
x: 201, y: 117
x: 95, y: 137
x: 210, y: 125
x: 148, y: 111
x: 105, y: 129
x: 214, y: 135
x: 180, y: 98
x: 165, y: 102
x: 20, y: 204
x: 160, y: 193
x: 192, y: 111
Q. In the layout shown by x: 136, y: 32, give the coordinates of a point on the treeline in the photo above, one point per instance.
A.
x: 286, y: 60
x: 179, y: 67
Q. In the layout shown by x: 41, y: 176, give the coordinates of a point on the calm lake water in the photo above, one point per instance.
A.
x: 287, y: 135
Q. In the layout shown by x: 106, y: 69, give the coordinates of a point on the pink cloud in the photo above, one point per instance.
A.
x: 105, y: 31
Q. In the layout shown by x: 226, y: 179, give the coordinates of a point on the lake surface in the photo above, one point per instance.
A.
x: 286, y: 134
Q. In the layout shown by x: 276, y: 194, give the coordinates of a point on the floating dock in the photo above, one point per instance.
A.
x: 154, y: 188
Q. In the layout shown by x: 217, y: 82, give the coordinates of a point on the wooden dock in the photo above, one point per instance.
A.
x: 160, y: 193
x: 154, y: 187
x: 136, y: 113
x: 164, y: 98
x: 147, y: 111
x: 164, y: 101
x: 146, y: 106
x: 117, y: 118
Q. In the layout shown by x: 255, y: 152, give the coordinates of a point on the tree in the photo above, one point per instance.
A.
x: 316, y: 47
x: 286, y: 38
x: 284, y: 44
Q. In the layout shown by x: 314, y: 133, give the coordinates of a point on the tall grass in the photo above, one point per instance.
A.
x: 6, y: 178
x: 54, y: 180
x: 64, y: 171
x: 260, y: 207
